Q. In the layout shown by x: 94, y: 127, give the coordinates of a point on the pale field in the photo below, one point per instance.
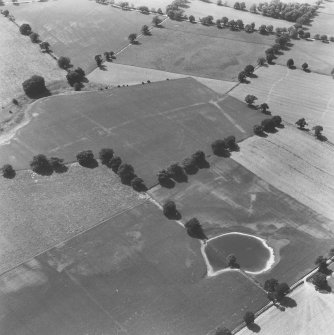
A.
x: 119, y: 74
x: 20, y: 59
x: 323, y: 23
x: 297, y: 164
x: 38, y: 212
x: 294, y: 94
x: 149, y: 3
x: 313, y: 315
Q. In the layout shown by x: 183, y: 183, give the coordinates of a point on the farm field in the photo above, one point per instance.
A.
x: 63, y: 24
x: 149, y: 126
x: 323, y: 23
x: 38, y: 212
x: 318, y: 55
x: 312, y: 315
x: 229, y: 198
x: 199, y: 51
x: 17, y: 50
x: 118, y: 74
x: 301, y: 167
x: 294, y: 94
x: 136, y: 274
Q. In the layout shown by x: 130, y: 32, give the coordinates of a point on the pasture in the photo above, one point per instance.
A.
x: 294, y: 94
x: 136, y: 274
x: 197, y: 50
x: 148, y: 126
x: 38, y: 212
x: 229, y: 198
x: 323, y: 23
x: 318, y: 55
x: 80, y: 29
x: 17, y: 52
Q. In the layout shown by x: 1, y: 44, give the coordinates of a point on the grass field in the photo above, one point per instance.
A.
x: 80, y: 29
x: 318, y: 55
x: 17, y: 51
x: 294, y: 94
x: 149, y: 126
x: 228, y: 198
x: 323, y: 23
x: 137, y: 274
x: 38, y: 212
x: 199, y: 51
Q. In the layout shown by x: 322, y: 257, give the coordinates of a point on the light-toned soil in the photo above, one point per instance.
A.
x: 296, y: 163
x: 294, y: 94
x: 312, y: 315
x: 38, y: 212
x: 118, y: 74
x: 20, y: 59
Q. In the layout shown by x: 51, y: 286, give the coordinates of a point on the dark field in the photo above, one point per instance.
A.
x: 228, y: 198
x: 197, y: 50
x: 137, y: 274
x: 149, y: 126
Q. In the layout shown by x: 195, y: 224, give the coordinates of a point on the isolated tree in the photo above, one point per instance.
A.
x: 258, y: 130
x: 8, y: 171
x: 252, y: 25
x: 106, y: 155
x: 305, y: 66
x: 264, y: 108
x: 319, y: 280
x: 156, y: 20
x: 317, y: 131
x: 232, y: 24
x: 132, y: 38
x: 145, y: 30
x: 191, y: 18
x: 270, y: 285
x: 231, y: 261
x: 115, y: 163
x: 25, y: 29
x: 194, y: 229
x: 231, y: 143
x: 86, y: 158
x: 169, y: 210
x: 34, y: 37
x: 290, y: 63
x: 219, y: 23
x: 40, y: 164
x: 126, y: 173
x: 237, y: 5
x: 225, y: 20
x: 241, y: 76
x: 138, y: 184
x: 144, y: 9
x: 57, y: 164
x: 301, y: 123
x: 98, y: 60
x: 64, y: 62
x: 249, y: 69
x: 189, y: 165
x: 45, y: 46
x: 34, y: 86
x: 281, y: 290
x: 261, y: 61
x: 316, y: 37
x: 249, y: 318
x: 250, y: 99
x: 248, y: 28
x: 223, y: 331
x: 219, y: 148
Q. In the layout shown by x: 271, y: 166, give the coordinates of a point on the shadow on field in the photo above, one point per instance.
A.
x: 91, y: 164
x: 322, y: 138
x: 288, y: 302
x: 39, y: 95
x: 255, y: 328
x: 253, y: 75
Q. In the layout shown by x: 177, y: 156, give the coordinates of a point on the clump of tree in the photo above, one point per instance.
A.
x: 138, y: 184
x: 105, y: 156
x: 164, y: 179
x: 191, y: 19
x: 219, y: 148
x: 76, y: 76
x: 258, y: 130
x: 86, y: 159
x: 45, y: 46
x: 249, y: 99
x: 41, y: 165
x: 249, y: 70
x: 145, y: 30
x: 268, y: 125
x: 58, y: 164
x: 114, y: 163
x: 126, y: 173
x: 319, y: 280
x: 194, y: 229
x: 109, y: 55
x: 199, y: 159
x: 276, y: 291
x: 176, y: 172
x: 249, y: 318
x: 174, y: 10
x: 321, y: 262
x: 132, y: 38
x: 34, y: 86
x: 170, y: 211
x: 301, y: 123
x: 189, y: 165
x: 239, y: 5
x: 207, y: 20
x: 64, y: 62
x: 156, y: 21
x: 25, y: 29
x: 8, y: 171
x: 144, y: 9
x: 34, y: 37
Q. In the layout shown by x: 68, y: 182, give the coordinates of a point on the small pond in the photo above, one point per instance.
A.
x: 252, y: 253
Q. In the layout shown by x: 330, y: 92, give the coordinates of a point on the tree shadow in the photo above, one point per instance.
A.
x: 252, y: 106
x: 253, y: 75
x: 288, y: 302
x: 91, y: 164
x: 203, y: 164
x: 292, y: 67
x: 103, y: 67
x: 45, y: 171
x: 266, y: 112
x: 307, y: 70
x: 325, y: 289
x: 168, y: 183
x: 181, y: 178
x: 136, y: 43
x: 223, y: 153
x: 60, y: 169
x: 40, y: 94
x: 198, y: 233
x: 264, y: 135
x: 10, y: 175
x: 304, y: 129
x: 255, y: 328
x: 271, y: 131
x: 322, y: 138
x: 281, y: 126
x: 174, y: 216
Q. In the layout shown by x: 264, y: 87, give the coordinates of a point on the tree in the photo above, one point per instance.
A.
x: 323, y: 37
x: 237, y: 5
x: 218, y: 23
x: 115, y: 163
x: 8, y: 171
x: 252, y: 25
x: 290, y: 63
x: 231, y: 261
x: 270, y: 58
x: 73, y: 77
x: 138, y: 184
x: 176, y: 172
x: 98, y: 60
x: 307, y: 34
x: 250, y: 99
x: 25, y: 29
x: 270, y: 28
x: 301, y: 123
x: 34, y: 86
x: 143, y: 9
x: 199, y: 158
x: 317, y: 131
x: 240, y: 24
x: 258, y: 130
x: 219, y: 148
x: 248, y: 28
x: 305, y: 66
x: 5, y: 13
x: 322, y: 263
x: 57, y: 164
x: 270, y: 284
x: 252, y: 8
x: 126, y: 173
x: 249, y: 69
x: 223, y: 331
x: 316, y: 37
x: 281, y: 290
x: 301, y: 33
x: 276, y: 47
x: 132, y: 38
x: 159, y: 11
x: 156, y: 20
x: 264, y: 107
x: 191, y: 18
x: 169, y: 210
x: 189, y: 165
x: 145, y: 30
x: 64, y: 62
x: 225, y: 20
x: 106, y: 155
x: 194, y: 229
x: 268, y: 125
x: 86, y: 158
x: 34, y: 37
x: 40, y: 164
x: 242, y: 6
x: 277, y: 120
x: 263, y: 29
x: 261, y: 61
x: 219, y: 3
x: 319, y: 280
x: 45, y: 46
x: 270, y: 51
x: 249, y: 318
x: 241, y: 76
x: 231, y: 143
x: 232, y: 25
